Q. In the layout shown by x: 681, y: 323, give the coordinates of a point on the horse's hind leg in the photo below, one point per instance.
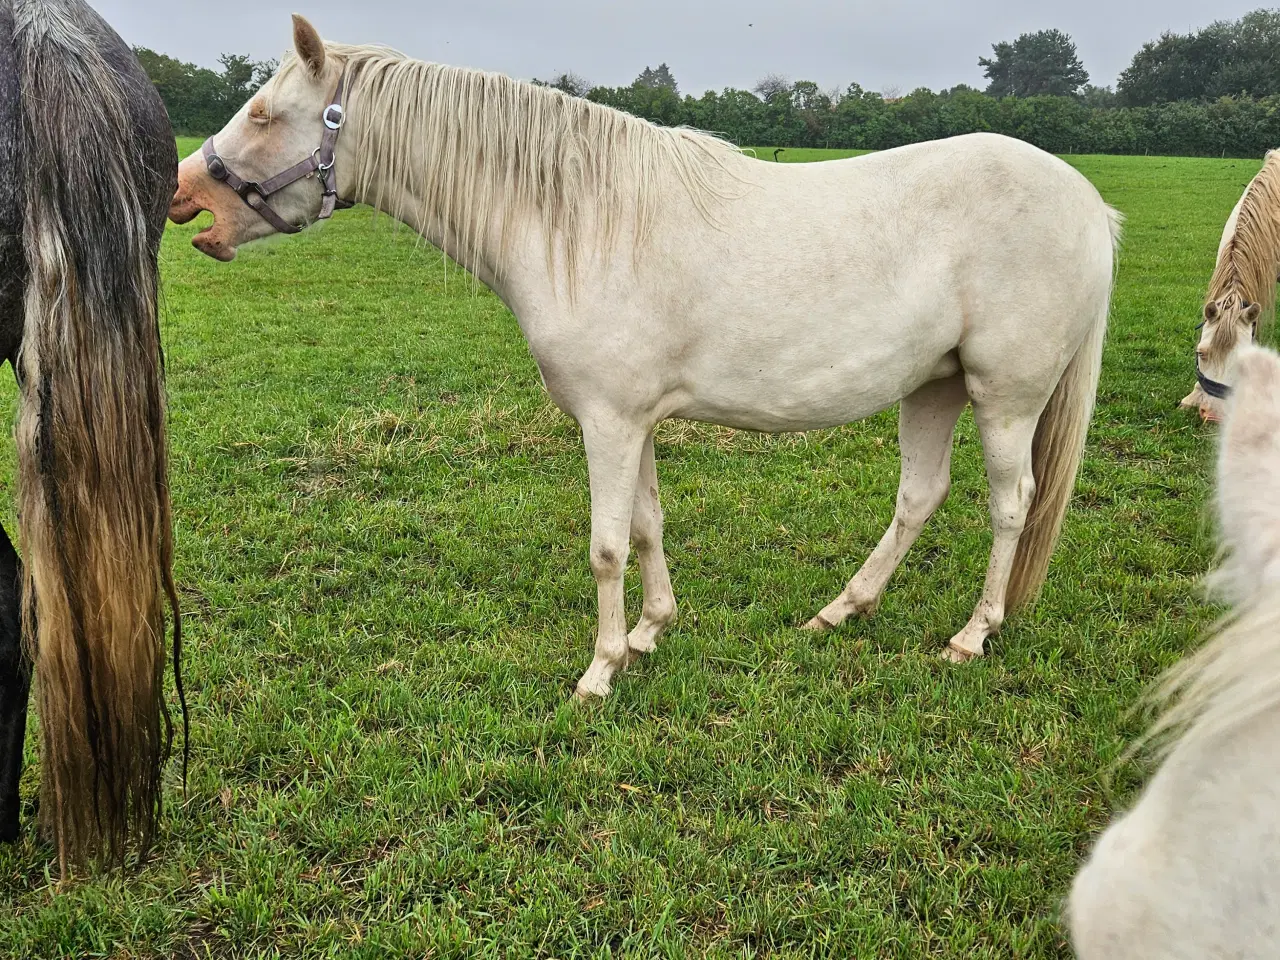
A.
x: 646, y: 536
x: 926, y: 423
x: 1006, y: 446
x: 15, y: 685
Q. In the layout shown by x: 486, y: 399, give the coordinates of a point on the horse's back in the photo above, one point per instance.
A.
x: 917, y: 211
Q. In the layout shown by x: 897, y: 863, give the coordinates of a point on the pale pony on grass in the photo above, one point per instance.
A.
x: 661, y: 273
x: 1193, y: 870
x: 1240, y: 304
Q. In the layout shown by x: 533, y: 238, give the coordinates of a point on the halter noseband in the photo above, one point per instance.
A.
x: 320, y: 163
x: 1219, y: 391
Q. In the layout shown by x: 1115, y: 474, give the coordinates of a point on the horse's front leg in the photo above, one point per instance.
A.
x: 614, y: 448
x: 15, y: 685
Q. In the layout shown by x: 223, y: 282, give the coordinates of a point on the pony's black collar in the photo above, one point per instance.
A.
x: 1219, y: 391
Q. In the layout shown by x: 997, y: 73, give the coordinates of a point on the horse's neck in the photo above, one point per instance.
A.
x: 511, y: 253
x: 477, y: 250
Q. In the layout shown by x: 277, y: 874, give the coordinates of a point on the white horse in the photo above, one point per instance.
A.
x: 660, y: 273
x: 1193, y: 871
x: 1242, y: 291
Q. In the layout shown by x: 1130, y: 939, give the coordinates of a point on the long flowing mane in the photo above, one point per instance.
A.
x: 473, y: 148
x: 1246, y: 268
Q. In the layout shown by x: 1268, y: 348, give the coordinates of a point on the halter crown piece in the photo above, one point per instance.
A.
x: 320, y: 163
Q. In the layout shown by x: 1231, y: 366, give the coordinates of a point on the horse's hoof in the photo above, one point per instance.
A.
x: 958, y: 654
x: 818, y: 624
x: 591, y: 688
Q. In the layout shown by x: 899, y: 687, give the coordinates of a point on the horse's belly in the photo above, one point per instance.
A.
x: 778, y: 397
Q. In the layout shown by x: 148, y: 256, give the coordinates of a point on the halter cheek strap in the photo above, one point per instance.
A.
x: 256, y: 195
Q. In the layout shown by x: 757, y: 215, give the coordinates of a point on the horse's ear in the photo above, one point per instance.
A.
x: 1249, y: 473
x: 1211, y: 311
x: 1252, y: 312
x: 308, y: 44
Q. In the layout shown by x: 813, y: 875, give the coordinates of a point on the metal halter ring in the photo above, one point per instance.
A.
x: 331, y: 122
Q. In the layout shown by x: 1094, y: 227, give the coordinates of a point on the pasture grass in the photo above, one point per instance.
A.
x: 382, y: 546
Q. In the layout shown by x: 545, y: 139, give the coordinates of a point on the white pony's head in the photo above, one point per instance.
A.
x: 281, y: 125
x: 1229, y: 324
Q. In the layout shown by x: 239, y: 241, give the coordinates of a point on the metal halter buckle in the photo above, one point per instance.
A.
x: 217, y: 167
x: 331, y: 121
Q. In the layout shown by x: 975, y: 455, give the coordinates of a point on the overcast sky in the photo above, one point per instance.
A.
x: 881, y: 44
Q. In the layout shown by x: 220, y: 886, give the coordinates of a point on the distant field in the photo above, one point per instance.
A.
x: 382, y: 546
x: 802, y: 154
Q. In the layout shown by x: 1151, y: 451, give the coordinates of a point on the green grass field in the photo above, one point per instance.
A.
x: 382, y: 545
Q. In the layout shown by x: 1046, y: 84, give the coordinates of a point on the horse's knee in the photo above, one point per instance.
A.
x: 608, y: 562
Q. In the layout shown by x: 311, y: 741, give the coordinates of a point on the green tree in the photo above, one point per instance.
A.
x: 1103, y: 98
x: 1036, y: 64
x: 1175, y: 67
x: 1225, y: 59
x: 772, y: 85
x: 242, y: 78
x: 567, y: 82
x: 658, y: 79
x: 200, y: 100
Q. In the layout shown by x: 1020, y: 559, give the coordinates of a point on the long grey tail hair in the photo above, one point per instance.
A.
x: 93, y: 490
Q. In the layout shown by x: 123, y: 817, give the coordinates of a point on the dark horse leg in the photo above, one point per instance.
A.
x: 15, y: 685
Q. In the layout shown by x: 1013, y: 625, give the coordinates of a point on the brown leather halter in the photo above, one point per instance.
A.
x: 320, y: 163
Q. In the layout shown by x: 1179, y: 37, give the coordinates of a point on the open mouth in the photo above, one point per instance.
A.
x: 194, y: 197
x: 212, y: 240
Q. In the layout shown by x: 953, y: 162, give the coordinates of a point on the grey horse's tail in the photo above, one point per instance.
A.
x: 93, y: 496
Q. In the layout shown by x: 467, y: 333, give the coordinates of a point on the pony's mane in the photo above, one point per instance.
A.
x: 1246, y: 270
x: 473, y: 147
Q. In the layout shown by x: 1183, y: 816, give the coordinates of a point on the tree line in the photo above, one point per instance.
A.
x: 1211, y: 92
x: 200, y: 101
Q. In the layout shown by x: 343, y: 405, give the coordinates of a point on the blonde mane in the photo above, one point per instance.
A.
x: 1246, y: 269
x: 475, y: 149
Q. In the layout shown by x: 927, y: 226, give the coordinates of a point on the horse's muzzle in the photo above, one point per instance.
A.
x: 198, y: 192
